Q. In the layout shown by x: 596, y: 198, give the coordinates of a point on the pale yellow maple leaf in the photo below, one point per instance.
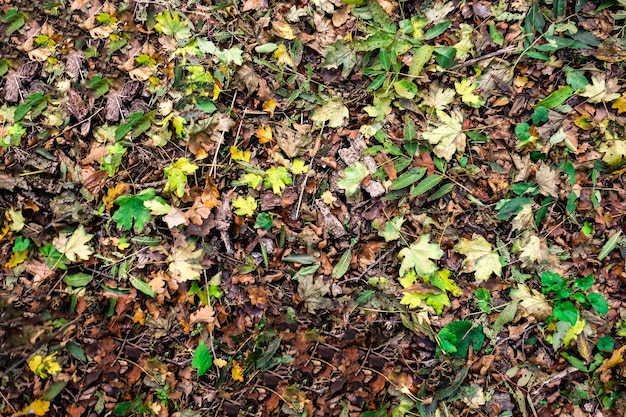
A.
x: 17, y: 220
x: 74, y: 247
x: 183, y: 262
x: 614, y: 152
x: 480, y: 258
x: 333, y: 113
x: 598, y: 91
x: 533, y: 302
x: 524, y: 218
x: 448, y: 137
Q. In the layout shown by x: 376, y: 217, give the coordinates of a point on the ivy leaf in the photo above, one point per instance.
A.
x: 480, y: 258
x: 172, y: 25
x: 419, y: 255
x: 278, y: 178
x: 449, y: 137
x: 132, y: 210
x: 333, y: 112
x: 74, y: 247
x: 353, y: 177
x: 244, y: 206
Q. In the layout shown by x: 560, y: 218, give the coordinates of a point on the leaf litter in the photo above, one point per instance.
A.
x: 358, y: 208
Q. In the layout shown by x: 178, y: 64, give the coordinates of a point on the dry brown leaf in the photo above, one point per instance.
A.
x: 204, y: 314
x: 548, y: 180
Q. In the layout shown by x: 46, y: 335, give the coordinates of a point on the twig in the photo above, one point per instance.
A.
x: 369, y: 268
x: 503, y: 51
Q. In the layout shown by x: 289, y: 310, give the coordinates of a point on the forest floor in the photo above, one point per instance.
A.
x: 318, y: 208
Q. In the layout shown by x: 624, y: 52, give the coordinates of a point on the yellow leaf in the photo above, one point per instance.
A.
x: 216, y: 91
x: 244, y: 206
x: 574, y: 331
x: 37, y: 407
x: 183, y: 263
x: 298, y: 167
x: 283, y: 56
x: 17, y: 220
x: 17, y: 258
x: 237, y: 372
x: 615, y: 359
x: 74, y: 247
x: 282, y: 29
x: 620, y: 105
x: 264, y: 133
x: 269, y: 106
x: 328, y: 198
x: 44, y: 366
x: 412, y: 300
x: 240, y: 155
x: 220, y: 363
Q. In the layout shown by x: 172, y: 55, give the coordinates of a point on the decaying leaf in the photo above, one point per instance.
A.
x: 313, y: 292
x: 74, y: 246
x: 533, y: 302
x: 183, y: 262
x: 331, y: 114
x: 418, y: 256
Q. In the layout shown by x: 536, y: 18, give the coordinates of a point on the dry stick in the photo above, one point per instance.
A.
x: 369, y: 268
x: 490, y: 55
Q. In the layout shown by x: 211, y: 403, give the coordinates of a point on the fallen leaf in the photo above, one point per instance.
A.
x: 331, y: 114
x: 448, y: 138
x: 74, y: 247
x: 418, y: 256
x: 548, y: 180
x: 313, y: 291
x: 183, y: 262
x: 533, y: 302
x: 480, y: 258
x: 204, y: 314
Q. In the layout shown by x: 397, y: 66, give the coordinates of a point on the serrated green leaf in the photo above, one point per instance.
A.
x: 132, y: 210
x: 202, y: 359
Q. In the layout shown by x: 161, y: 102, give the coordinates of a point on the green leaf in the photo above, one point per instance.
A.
x: 301, y: 259
x: 496, y: 35
x: 605, y: 344
x: 408, y: 178
x: 418, y: 256
x: 132, y: 210
x: 609, y: 245
x: 448, y: 137
x: 456, y: 338
x: 567, y: 312
x: 576, y: 79
x: 421, y: 56
x: 277, y: 178
x: 437, y: 30
x: 79, y: 279
x: 76, y: 351
x: 444, y: 55
x: 353, y: 176
x: 206, y: 105
x: 53, y: 390
x: 405, y: 89
x: 202, y: 359
x: 266, y: 48
x: 584, y: 283
x: 598, y: 303
x: 540, y: 115
x: 142, y: 286
x: 176, y: 175
x: 342, y: 266
x: 264, y: 221
x: 508, y: 208
x: 427, y: 184
x: 443, y: 190
x: 245, y: 206
x: 173, y: 24
x: 392, y: 229
x: 556, y: 98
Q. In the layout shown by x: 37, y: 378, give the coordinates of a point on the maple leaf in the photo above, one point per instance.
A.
x: 245, y: 206
x: 183, y: 263
x: 465, y: 89
x: 547, y: 179
x: 418, y: 256
x: 75, y: 246
x: 312, y: 293
x: 240, y: 155
x: 449, y: 137
x: 252, y: 180
x: 37, y: 408
x: 237, y: 372
x: 480, y: 258
x: 413, y: 300
x: 524, y: 218
x: 438, y: 97
x: 391, y: 231
x: 353, y: 176
x: 278, y: 178
x: 264, y: 133
x: 614, y: 152
x: 598, y: 91
x: 333, y: 112
x: 132, y: 210
x: 172, y: 25
x: 157, y: 206
x: 298, y: 167
x: 176, y: 175
x: 533, y: 302
x: 44, y: 366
